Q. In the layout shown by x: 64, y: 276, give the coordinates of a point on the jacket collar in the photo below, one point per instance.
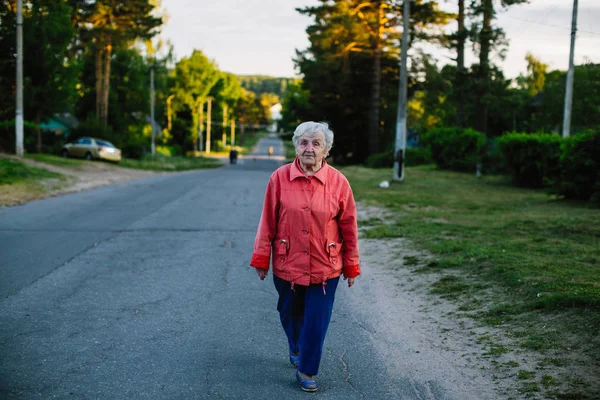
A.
x: 296, y: 172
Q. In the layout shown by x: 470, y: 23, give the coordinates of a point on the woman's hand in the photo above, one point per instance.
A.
x: 350, y: 281
x: 262, y: 273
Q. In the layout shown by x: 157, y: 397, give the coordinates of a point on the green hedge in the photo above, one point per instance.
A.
x: 580, y: 167
x: 455, y: 148
x: 532, y: 159
x: 8, y: 136
x: 386, y: 160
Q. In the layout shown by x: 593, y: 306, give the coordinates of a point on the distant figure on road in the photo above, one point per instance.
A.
x: 308, y: 224
x: 270, y: 151
x: 233, y: 155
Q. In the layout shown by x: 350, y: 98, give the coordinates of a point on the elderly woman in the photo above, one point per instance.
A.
x: 308, y: 228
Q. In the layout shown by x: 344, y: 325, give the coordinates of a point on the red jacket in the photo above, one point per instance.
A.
x: 309, y: 225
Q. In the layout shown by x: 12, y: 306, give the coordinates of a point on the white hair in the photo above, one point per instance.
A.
x: 311, y: 129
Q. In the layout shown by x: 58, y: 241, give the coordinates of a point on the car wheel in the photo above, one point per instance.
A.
x: 64, y: 153
x: 88, y: 156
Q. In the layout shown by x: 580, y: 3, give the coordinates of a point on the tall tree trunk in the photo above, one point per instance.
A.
x: 484, y: 62
x: 460, y: 65
x: 38, y: 131
x: 106, y: 85
x: 374, y: 127
x: 98, y: 79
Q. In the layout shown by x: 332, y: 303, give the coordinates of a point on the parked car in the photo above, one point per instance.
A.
x: 92, y: 149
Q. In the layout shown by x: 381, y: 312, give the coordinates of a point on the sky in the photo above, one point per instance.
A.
x: 260, y: 36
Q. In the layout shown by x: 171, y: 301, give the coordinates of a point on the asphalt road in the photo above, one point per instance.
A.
x: 142, y: 290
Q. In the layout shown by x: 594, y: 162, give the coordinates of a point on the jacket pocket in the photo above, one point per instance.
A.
x: 281, y: 247
x: 333, y: 249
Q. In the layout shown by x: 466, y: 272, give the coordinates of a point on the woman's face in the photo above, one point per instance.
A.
x: 311, y: 150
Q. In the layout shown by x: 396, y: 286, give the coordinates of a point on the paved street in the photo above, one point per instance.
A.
x: 142, y: 290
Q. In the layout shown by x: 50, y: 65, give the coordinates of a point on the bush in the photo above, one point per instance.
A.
x: 8, y: 136
x: 455, y: 148
x: 532, y: 159
x: 386, y: 160
x: 92, y: 127
x: 580, y: 167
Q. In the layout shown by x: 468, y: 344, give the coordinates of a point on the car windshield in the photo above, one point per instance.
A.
x: 104, y: 143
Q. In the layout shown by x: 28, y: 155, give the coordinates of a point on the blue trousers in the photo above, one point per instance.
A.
x: 305, y: 313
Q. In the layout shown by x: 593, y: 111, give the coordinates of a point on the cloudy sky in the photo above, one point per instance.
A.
x: 260, y: 36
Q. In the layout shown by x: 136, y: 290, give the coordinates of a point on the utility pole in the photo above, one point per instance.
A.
x: 208, y: 122
x: 169, y: 122
x: 200, y: 123
x: 152, y: 110
x: 232, y: 132
x: 224, y: 139
x: 400, y: 150
x: 570, y: 75
x: 19, y: 109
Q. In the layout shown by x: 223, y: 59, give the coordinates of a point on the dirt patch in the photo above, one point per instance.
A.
x: 84, y: 176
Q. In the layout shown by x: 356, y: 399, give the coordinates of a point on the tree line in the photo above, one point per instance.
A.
x: 93, y: 60
x: 350, y: 76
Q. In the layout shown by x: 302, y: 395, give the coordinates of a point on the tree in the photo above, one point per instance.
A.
x: 193, y: 80
x: 353, y: 49
x: 295, y: 106
x: 487, y: 38
x: 48, y: 78
x: 536, y: 75
x: 50, y: 82
x: 114, y: 23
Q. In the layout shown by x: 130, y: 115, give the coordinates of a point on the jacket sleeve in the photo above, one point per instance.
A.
x: 349, y: 230
x: 267, y: 227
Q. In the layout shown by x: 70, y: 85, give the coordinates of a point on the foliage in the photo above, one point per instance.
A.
x: 341, y: 67
x: 580, y: 167
x: 532, y: 159
x: 260, y: 84
x: 413, y: 157
x: 585, y: 113
x: 295, y: 106
x: 455, y: 148
x: 8, y: 136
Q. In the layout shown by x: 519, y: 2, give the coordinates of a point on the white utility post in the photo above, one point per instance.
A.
x: 152, y: 111
x: 208, y: 122
x: 19, y: 109
x: 400, y: 150
x: 570, y: 75
x: 169, y: 121
x: 200, y: 123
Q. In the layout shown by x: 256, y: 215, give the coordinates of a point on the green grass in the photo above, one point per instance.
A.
x: 545, y: 249
x: 171, y: 163
x: 55, y: 160
x: 12, y: 171
x: 513, y: 258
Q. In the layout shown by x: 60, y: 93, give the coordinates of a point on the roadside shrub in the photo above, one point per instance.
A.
x: 414, y: 157
x: 8, y: 136
x: 455, y: 148
x: 580, y: 167
x: 380, y: 160
x: 532, y: 159
x: 92, y: 127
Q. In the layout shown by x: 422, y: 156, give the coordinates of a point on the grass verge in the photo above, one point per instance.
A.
x: 13, y: 171
x: 55, y: 160
x: 511, y: 258
x: 20, y: 182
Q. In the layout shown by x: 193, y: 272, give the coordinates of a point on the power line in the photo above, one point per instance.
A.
x: 554, y: 26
